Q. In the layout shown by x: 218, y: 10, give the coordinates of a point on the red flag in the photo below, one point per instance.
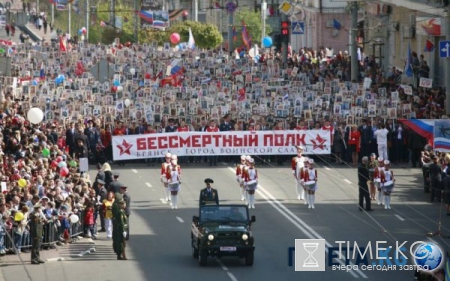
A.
x: 62, y: 44
x: 429, y: 47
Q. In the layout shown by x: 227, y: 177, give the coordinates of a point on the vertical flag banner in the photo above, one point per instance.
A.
x: 429, y: 46
x: 246, y: 37
x: 442, y: 135
x: 191, y: 41
x: 408, y: 66
x: 62, y: 44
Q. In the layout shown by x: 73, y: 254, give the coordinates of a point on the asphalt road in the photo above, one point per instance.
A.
x: 159, y: 247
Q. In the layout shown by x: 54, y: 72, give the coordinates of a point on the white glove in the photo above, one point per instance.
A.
x: 124, y: 234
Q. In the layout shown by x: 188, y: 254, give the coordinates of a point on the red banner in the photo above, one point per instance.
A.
x: 220, y: 143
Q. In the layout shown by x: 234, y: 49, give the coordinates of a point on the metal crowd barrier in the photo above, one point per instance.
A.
x: 77, y: 229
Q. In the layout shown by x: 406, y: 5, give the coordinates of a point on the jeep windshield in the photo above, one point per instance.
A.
x: 223, y: 214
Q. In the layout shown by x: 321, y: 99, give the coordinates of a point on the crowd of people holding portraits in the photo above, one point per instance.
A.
x: 203, y: 90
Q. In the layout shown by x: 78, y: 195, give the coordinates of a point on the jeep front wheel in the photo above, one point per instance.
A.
x: 203, y: 257
x: 249, y: 257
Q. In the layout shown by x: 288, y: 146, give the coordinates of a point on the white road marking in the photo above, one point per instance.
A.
x: 347, y: 181
x: 300, y: 224
x: 180, y: 219
x: 163, y: 200
x: 222, y: 265
x: 148, y: 184
x: 328, y: 169
x: 231, y: 276
x: 400, y: 218
x: 134, y: 171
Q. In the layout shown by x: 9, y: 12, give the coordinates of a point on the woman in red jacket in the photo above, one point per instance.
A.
x: 105, y: 137
x: 354, y: 142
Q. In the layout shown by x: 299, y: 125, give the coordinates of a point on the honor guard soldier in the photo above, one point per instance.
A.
x: 310, y: 179
x: 387, y: 180
x: 378, y: 171
x: 373, y: 164
x: 164, y: 167
x: 297, y: 163
x: 239, y: 170
x: 122, y: 230
x: 173, y: 176
x: 36, y: 231
x: 251, y: 182
x: 209, y: 195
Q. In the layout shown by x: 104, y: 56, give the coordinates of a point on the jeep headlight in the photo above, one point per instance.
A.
x: 244, y: 237
x: 210, y: 237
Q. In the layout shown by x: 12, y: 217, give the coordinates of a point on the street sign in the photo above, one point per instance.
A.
x: 298, y: 27
x: 444, y: 49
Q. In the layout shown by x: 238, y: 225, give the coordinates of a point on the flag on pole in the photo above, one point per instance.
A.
x: 336, y: 24
x: 429, y: 47
x: 246, y: 37
x: 191, y: 41
x: 234, y: 34
x: 408, y: 66
x: 62, y: 44
x: 42, y: 71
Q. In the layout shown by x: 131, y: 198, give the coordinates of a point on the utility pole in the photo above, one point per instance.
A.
x: 53, y: 14
x: 353, y: 49
x: 87, y: 20
x: 230, y: 33
x: 37, y: 7
x: 447, y: 66
x: 195, y: 10
x: 136, y: 22
x: 284, y: 43
x: 263, y: 21
x: 112, y: 15
x: 69, y: 28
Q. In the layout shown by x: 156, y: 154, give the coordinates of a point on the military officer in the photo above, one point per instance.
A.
x: 127, y: 200
x: 297, y: 164
x: 122, y: 227
x: 209, y: 195
x: 115, y: 185
x: 115, y: 213
x: 37, y: 220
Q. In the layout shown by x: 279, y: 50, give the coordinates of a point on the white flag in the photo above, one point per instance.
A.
x: 191, y: 41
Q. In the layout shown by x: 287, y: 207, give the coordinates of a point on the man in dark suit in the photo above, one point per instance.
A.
x: 79, y: 135
x: 171, y: 128
x: 115, y: 185
x: 70, y: 137
x: 363, y: 177
x: 209, y: 195
x: 366, y: 138
x: 127, y: 199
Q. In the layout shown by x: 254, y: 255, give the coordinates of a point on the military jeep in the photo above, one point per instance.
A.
x: 222, y: 230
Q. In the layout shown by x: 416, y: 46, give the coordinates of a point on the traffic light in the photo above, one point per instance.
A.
x: 285, y: 31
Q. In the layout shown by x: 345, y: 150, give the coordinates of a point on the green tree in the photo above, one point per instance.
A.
x: 254, y: 26
x: 205, y: 35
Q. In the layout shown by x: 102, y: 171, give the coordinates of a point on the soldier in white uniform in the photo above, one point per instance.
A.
x: 164, y: 176
x: 173, y: 175
x: 387, y: 179
x: 377, y: 174
x: 310, y: 179
x: 239, y: 172
x: 297, y: 163
x: 251, y: 182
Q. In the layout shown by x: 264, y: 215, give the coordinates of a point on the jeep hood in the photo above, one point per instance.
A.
x: 225, y: 228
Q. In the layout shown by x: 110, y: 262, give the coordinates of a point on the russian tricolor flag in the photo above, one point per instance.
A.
x: 42, y: 71
x: 176, y: 68
x: 424, y: 127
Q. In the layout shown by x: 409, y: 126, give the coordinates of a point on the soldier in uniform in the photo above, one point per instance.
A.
x: 173, y: 176
x: 251, y: 182
x: 373, y: 164
x: 121, y: 221
x: 377, y: 180
x: 115, y: 211
x: 115, y: 185
x: 209, y: 195
x: 37, y: 221
x: 164, y: 167
x: 297, y: 163
x: 127, y: 199
x: 309, y: 177
x: 387, y: 181
x: 239, y: 170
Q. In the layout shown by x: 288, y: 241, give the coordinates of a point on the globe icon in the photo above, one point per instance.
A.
x: 428, y: 256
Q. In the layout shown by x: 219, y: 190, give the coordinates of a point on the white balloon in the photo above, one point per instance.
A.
x: 74, y: 218
x: 127, y: 102
x: 119, y: 88
x: 132, y: 71
x: 35, y: 115
x: 82, y: 37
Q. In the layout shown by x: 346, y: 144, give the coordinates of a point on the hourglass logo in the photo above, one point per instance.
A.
x: 309, y: 254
